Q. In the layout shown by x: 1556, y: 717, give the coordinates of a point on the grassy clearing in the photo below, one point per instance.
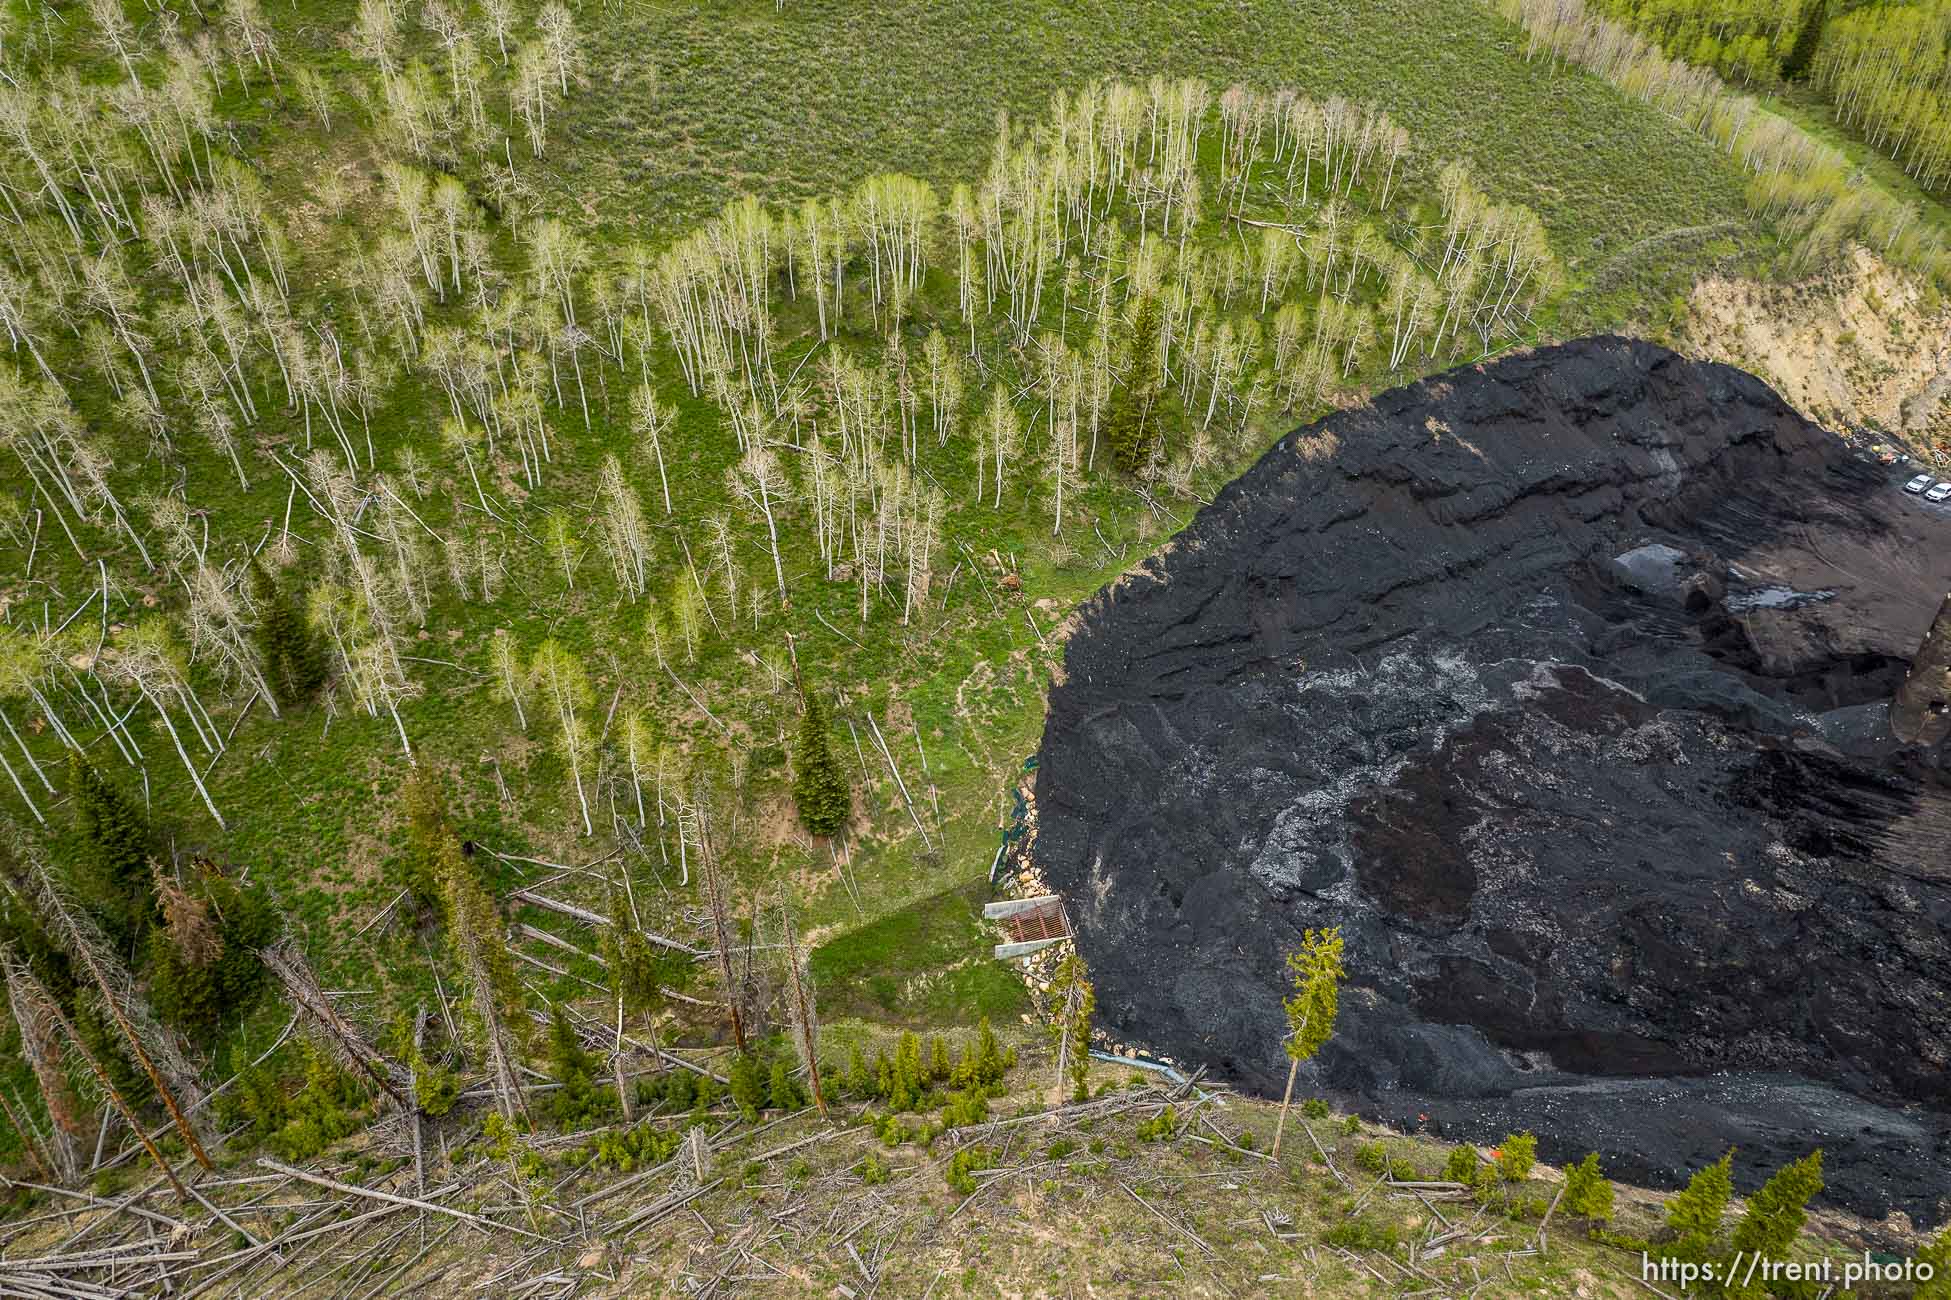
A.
x: 808, y: 99
x: 927, y: 963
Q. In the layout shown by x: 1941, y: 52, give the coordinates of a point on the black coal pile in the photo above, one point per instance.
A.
x: 1562, y: 685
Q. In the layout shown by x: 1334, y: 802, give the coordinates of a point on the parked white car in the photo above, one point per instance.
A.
x: 1939, y: 493
x: 1917, y: 485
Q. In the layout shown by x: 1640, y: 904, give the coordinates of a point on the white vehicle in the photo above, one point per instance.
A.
x: 1939, y: 493
x: 1917, y: 485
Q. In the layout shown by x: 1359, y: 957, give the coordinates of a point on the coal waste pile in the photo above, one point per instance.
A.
x: 1562, y: 684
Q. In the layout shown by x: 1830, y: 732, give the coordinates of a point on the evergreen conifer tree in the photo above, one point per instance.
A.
x: 819, y: 784
x: 1936, y: 1253
x: 860, y: 1080
x: 112, y: 866
x: 572, y: 1066
x: 1807, y: 37
x: 427, y: 833
x: 480, y: 948
x: 294, y: 662
x: 1129, y: 430
x: 203, y: 967
x: 748, y: 1086
x: 1587, y: 1193
x: 1774, y: 1219
x: 784, y: 1088
x: 1693, y: 1217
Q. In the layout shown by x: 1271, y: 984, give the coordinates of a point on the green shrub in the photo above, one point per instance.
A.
x: 1162, y: 1127
x: 907, y: 1084
x: 963, y: 1166
x: 783, y: 1088
x: 939, y: 1068
x: 1693, y: 1217
x: 983, y: 1062
x: 892, y: 1131
x: 1404, y: 1172
x: 1361, y: 1234
x: 1775, y: 1215
x: 859, y: 1081
x: 1058, y: 1149
x: 505, y: 1144
x: 1936, y: 1253
x: 1351, y: 1124
x: 572, y: 1066
x: 873, y: 1171
x: 634, y: 1148
x: 1372, y: 1157
x: 328, y: 1108
x: 435, y: 1087
x: 1516, y: 1156
x: 965, y: 1108
x: 1587, y: 1194
x: 748, y: 1086
x: 1315, y: 1108
x: 1461, y: 1167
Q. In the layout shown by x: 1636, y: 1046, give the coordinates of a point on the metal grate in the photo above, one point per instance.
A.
x: 1044, y: 921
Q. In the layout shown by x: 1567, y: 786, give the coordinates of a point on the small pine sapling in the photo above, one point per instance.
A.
x: 1311, y: 1012
x: 1693, y: 1217
x: 1774, y: 1218
x: 1516, y: 1156
x: 1587, y: 1193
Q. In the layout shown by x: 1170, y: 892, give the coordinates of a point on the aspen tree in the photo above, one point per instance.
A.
x: 475, y: 937
x: 625, y: 533
x: 20, y: 673
x: 249, y: 36
x: 500, y: 18
x: 375, y: 36
x: 219, y: 628
x: 529, y: 93
x: 149, y: 660
x: 945, y: 384
x: 640, y: 753
x: 560, y: 42
x: 724, y: 562
x: 565, y: 547
x: 998, y: 439
x: 758, y: 480
x: 315, y: 93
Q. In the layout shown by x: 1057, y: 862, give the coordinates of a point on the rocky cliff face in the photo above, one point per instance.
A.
x: 1561, y: 685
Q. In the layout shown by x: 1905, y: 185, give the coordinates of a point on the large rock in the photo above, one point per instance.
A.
x: 1561, y: 684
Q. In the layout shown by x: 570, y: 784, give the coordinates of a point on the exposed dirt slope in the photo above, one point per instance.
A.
x: 1561, y: 687
x: 1860, y: 346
